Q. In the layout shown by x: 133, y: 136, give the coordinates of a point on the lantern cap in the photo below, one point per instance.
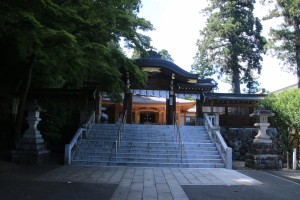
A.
x: 34, y: 106
x: 262, y: 112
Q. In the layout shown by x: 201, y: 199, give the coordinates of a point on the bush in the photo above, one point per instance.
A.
x: 286, y: 106
x: 53, y: 124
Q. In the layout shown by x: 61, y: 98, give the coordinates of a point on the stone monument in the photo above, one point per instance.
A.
x: 31, y: 149
x: 263, y: 154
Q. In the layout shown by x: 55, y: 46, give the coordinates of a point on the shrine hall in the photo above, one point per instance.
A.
x: 175, y: 96
x: 170, y: 96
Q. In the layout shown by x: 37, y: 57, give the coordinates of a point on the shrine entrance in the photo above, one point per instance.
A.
x: 148, y: 118
x: 167, y: 95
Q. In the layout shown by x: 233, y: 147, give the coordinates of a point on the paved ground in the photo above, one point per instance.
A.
x: 273, y: 187
x: 73, y: 182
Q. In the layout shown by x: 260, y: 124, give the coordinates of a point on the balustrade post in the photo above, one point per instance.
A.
x: 67, y: 160
x: 229, y: 158
x: 181, y: 150
x: 217, y: 119
x: 116, y: 149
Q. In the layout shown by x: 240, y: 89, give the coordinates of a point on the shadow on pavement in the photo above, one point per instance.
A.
x: 12, y: 190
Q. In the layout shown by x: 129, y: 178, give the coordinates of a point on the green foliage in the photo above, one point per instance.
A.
x: 231, y: 43
x: 202, y: 66
x: 285, y: 38
x: 252, y: 84
x: 6, y: 121
x: 52, y: 124
x: 59, y: 43
x: 286, y: 106
x: 165, y: 55
x: 74, y: 41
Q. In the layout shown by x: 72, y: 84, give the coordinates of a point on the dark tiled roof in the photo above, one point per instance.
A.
x: 185, y: 80
x: 228, y: 97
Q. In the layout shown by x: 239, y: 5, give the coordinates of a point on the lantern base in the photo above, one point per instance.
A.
x: 262, y: 141
x: 30, y: 151
x: 263, y: 156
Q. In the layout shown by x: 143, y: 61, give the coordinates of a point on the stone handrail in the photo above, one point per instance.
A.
x: 77, y: 139
x: 212, y: 127
x: 120, y: 132
x: 178, y: 137
x: 88, y: 125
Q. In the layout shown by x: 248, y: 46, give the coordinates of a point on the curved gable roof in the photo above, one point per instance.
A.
x: 166, y: 66
x: 185, y: 81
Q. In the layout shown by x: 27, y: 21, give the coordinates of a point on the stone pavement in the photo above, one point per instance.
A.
x: 147, y: 183
x: 93, y: 183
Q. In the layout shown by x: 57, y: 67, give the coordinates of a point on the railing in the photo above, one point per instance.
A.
x: 81, y: 133
x: 211, y: 123
x: 120, y: 133
x: 89, y: 124
x: 178, y: 137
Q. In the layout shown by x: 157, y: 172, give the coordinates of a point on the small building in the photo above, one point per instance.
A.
x: 233, y: 109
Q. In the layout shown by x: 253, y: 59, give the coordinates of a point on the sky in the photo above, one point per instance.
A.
x: 177, y: 24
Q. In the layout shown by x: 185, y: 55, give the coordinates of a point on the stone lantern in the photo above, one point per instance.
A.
x: 31, y: 147
x: 262, y: 153
x: 33, y: 120
x: 262, y: 125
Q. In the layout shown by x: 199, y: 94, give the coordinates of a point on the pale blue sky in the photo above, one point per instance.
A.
x: 177, y: 24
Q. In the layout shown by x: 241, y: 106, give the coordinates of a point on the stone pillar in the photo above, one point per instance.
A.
x: 263, y: 154
x: 31, y: 149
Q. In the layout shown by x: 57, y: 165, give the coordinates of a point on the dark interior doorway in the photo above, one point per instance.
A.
x: 148, y: 118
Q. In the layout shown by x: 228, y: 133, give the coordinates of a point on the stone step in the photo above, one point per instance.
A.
x: 137, y: 152
x: 139, y: 164
x: 137, y: 134
x: 146, y: 155
x: 148, y: 146
x: 151, y: 160
x: 204, y: 143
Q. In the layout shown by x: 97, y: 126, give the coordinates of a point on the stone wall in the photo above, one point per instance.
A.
x: 240, y: 139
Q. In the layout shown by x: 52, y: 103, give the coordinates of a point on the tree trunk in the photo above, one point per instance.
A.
x: 298, y: 77
x: 297, y: 48
x: 23, y: 96
x: 236, y: 79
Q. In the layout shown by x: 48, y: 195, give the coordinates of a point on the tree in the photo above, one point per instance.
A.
x: 285, y: 39
x: 165, y: 55
x: 60, y: 43
x: 201, y: 64
x: 231, y: 43
x: 286, y: 106
x: 252, y: 84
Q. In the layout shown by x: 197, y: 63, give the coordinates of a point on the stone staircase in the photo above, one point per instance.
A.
x: 148, y: 146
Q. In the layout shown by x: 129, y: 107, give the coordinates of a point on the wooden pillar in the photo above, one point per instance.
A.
x: 163, y: 115
x: 137, y: 117
x: 178, y: 114
x: 171, y: 109
x: 128, y: 106
x: 160, y: 117
x: 167, y: 111
x: 171, y: 103
x: 199, y: 113
x: 98, y: 107
x: 226, y: 115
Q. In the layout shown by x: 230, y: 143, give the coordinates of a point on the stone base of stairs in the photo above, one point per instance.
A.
x: 148, y: 146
